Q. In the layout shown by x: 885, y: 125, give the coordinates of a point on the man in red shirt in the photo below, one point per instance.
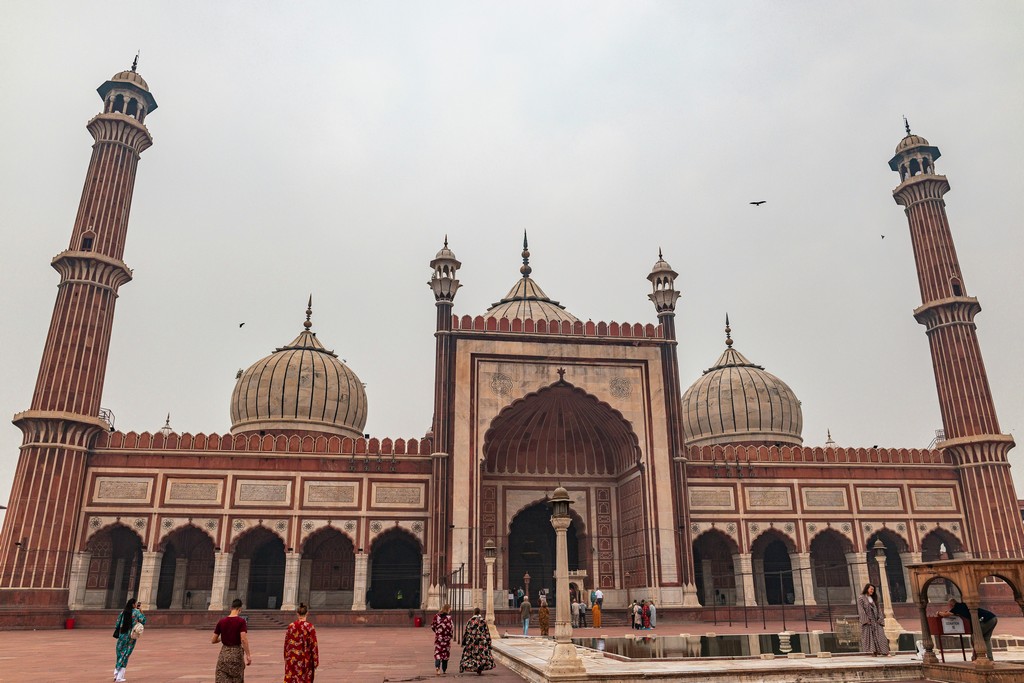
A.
x: 232, y: 633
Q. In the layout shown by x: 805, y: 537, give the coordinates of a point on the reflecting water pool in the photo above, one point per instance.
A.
x: 752, y: 645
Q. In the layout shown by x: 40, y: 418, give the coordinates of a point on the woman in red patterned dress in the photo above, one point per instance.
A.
x: 444, y: 630
x: 301, y: 655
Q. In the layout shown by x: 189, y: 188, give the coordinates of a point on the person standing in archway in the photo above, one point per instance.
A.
x: 524, y: 613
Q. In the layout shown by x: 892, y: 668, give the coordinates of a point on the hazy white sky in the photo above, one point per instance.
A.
x: 328, y: 147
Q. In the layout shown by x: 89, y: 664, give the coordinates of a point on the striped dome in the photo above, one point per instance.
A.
x: 527, y: 301
x: 738, y: 402
x: 301, y: 386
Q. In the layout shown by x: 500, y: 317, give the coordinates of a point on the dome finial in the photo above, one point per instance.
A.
x: 906, y: 124
x: 526, y: 269
x: 309, y: 313
x: 446, y: 240
x: 135, y: 62
x: 829, y: 443
x: 660, y: 257
x: 728, y: 332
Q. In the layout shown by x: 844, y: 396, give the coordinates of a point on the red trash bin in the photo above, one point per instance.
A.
x: 69, y: 623
x: 417, y: 621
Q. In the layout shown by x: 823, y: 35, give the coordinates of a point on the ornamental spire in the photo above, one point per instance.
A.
x: 526, y: 269
x: 906, y: 124
x: 309, y: 313
x: 728, y: 332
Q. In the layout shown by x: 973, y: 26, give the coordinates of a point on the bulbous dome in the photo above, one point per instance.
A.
x: 738, y: 402
x: 301, y: 386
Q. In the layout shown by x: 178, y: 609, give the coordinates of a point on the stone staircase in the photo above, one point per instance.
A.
x: 266, y: 620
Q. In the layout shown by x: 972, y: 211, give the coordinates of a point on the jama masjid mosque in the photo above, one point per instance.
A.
x: 692, y: 494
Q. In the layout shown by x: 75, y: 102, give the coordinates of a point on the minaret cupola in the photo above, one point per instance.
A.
x: 127, y: 93
x: 663, y: 281
x: 445, y: 282
x: 914, y: 155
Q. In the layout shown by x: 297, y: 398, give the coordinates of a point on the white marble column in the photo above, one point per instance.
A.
x: 79, y: 580
x: 359, y: 582
x: 760, y: 590
x: 221, y: 579
x: 424, y: 583
x: 149, y: 578
x: 180, y: 574
x: 242, y: 585
x: 803, y: 578
x: 909, y: 558
x: 858, y: 573
x: 292, y: 565
x: 743, y: 567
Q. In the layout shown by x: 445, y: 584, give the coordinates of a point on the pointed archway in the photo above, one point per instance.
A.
x: 562, y: 435
x: 396, y: 571
x: 330, y: 577
x: 531, y: 550
x: 116, y: 558
x: 257, y: 573
x: 186, y: 570
x: 714, y: 569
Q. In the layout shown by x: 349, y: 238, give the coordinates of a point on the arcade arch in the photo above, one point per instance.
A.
x: 895, y: 546
x: 830, y: 568
x: 257, y: 569
x: 773, y: 569
x: 395, y: 570
x: 531, y: 549
x: 115, y: 560
x: 186, y: 570
x: 328, y: 570
x: 714, y: 570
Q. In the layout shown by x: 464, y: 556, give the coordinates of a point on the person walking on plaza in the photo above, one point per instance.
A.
x: 301, y: 654
x: 125, y: 632
x: 232, y: 633
x: 444, y: 631
x: 872, y: 633
x: 476, y: 645
x: 574, y: 614
x: 524, y: 614
x: 654, y: 613
x: 544, y: 618
x: 596, y: 609
x: 637, y: 615
x: 987, y: 620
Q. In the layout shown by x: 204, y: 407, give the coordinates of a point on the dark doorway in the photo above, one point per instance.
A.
x: 116, y: 560
x: 531, y: 550
x: 165, y: 589
x: 266, y: 576
x: 396, y: 572
x: 778, y: 574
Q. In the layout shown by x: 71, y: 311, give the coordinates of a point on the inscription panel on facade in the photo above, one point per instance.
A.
x: 331, y: 494
x: 398, y: 495
x: 824, y: 498
x: 123, y: 489
x: 933, y: 499
x: 769, y: 498
x: 712, y: 498
x: 262, y: 492
x: 191, y: 491
x: 879, y: 499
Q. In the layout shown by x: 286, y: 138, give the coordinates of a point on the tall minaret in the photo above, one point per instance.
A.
x: 444, y: 282
x: 965, y: 399
x: 664, y: 296
x: 40, y: 528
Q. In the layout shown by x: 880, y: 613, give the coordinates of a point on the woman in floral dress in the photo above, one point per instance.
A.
x: 131, y: 615
x: 476, y: 646
x: 444, y: 630
x: 301, y: 655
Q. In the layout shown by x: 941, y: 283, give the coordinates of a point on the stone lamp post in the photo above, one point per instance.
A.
x: 564, y: 660
x: 490, y: 553
x: 892, y: 628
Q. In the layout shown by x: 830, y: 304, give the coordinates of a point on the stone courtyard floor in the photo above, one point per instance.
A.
x: 348, y: 654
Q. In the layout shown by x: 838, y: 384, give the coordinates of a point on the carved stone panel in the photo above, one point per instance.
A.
x: 824, y: 498
x: 191, y: 491
x: 769, y: 498
x: 398, y: 495
x: 933, y: 499
x: 712, y: 498
x: 122, y: 489
x: 331, y: 494
x: 879, y: 499
x: 255, y: 492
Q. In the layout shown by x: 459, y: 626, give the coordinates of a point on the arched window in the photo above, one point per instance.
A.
x: 956, y: 286
x: 119, y: 103
x: 87, y: 240
x: 133, y: 107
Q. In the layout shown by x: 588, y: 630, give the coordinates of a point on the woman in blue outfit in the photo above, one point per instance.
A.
x: 126, y: 621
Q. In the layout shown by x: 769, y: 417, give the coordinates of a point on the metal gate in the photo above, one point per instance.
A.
x: 453, y: 592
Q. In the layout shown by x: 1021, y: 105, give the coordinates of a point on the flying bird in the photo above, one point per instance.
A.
x: 759, y: 203
x: 240, y: 324
x: 883, y: 237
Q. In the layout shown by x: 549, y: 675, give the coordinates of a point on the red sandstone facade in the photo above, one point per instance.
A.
x: 697, y: 497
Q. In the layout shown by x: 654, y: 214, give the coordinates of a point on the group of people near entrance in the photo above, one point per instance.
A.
x: 643, y: 615
x: 301, y: 654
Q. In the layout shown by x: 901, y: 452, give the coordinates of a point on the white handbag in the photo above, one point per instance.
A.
x: 137, y: 631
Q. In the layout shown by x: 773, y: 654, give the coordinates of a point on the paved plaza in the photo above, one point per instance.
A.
x: 349, y: 654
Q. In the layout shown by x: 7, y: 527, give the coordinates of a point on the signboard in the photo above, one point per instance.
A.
x: 953, y: 626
